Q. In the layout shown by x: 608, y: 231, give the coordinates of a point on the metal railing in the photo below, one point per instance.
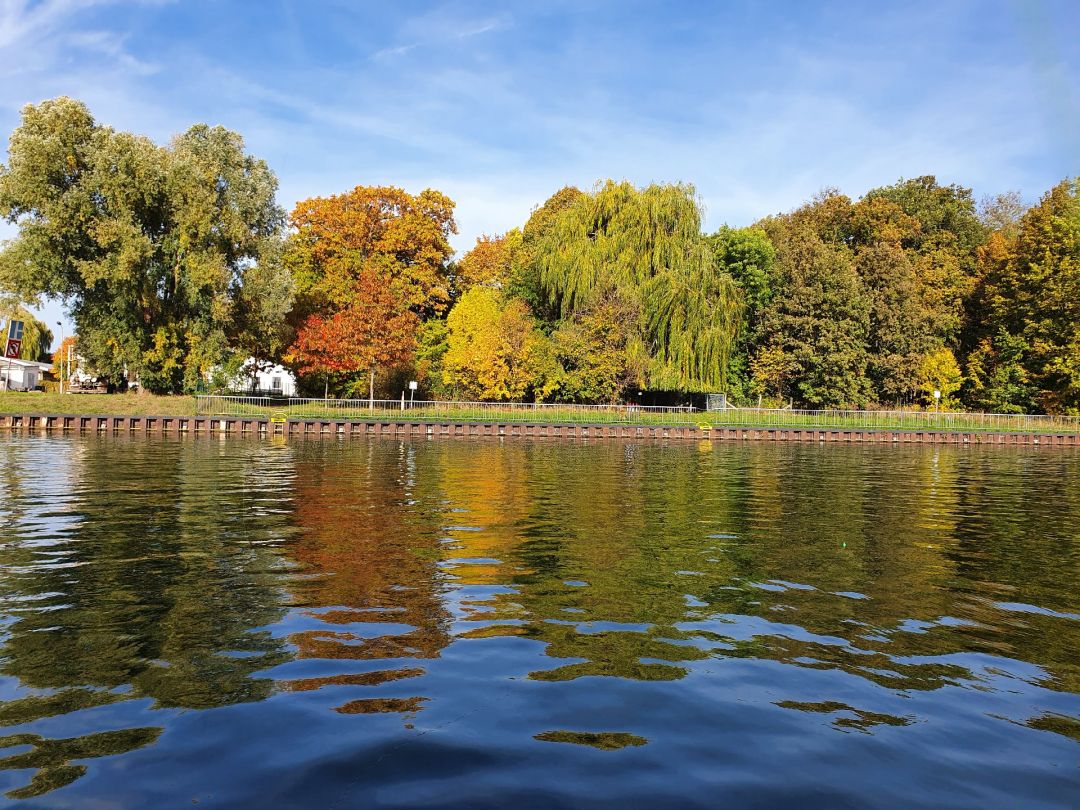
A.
x: 906, y: 420
x: 297, y: 408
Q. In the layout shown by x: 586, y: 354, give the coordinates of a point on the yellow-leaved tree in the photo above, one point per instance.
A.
x: 939, y: 371
x: 495, y: 351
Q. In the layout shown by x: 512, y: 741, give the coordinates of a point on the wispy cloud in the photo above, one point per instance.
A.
x: 427, y: 30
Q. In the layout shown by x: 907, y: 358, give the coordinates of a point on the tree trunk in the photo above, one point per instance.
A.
x: 371, y: 389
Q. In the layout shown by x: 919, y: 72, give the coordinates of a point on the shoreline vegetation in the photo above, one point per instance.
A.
x: 154, y: 405
x: 126, y: 404
x: 183, y: 274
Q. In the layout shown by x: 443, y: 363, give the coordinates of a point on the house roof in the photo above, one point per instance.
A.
x: 26, y: 363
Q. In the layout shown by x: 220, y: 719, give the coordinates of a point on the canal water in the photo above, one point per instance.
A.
x: 377, y: 623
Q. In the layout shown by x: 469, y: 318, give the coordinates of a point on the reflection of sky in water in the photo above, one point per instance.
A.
x: 469, y: 623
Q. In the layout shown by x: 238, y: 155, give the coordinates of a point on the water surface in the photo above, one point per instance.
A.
x: 244, y: 623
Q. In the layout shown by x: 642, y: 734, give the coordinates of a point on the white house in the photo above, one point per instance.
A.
x: 263, y: 378
x: 21, y: 375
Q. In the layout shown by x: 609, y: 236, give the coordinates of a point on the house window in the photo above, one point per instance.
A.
x: 275, y: 384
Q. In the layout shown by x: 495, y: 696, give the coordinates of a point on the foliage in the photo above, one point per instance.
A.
x: 816, y: 327
x: 489, y: 263
x: 997, y: 378
x: 376, y: 230
x: 430, y: 351
x: 646, y: 247
x: 749, y: 257
x: 894, y: 271
x: 599, y: 352
x: 373, y: 330
x: 368, y: 267
x: 1028, y: 300
x: 524, y: 282
x: 617, y: 238
x: 66, y: 357
x: 172, y: 262
x: 901, y: 328
x: 495, y: 351
x: 147, y: 245
x: 939, y: 372
x: 941, y: 247
x: 263, y: 303
x: 1003, y: 213
x: 692, y: 317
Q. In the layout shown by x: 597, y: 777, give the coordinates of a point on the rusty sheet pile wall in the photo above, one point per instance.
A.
x: 313, y: 428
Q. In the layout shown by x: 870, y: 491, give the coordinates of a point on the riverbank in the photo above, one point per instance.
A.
x: 17, y: 402
x: 257, y: 409
x: 260, y: 427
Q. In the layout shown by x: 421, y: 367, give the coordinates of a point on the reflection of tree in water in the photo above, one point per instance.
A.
x: 52, y: 758
x: 1017, y: 544
x: 143, y: 576
x: 369, y: 549
x: 162, y: 561
x: 633, y: 560
x: 849, y: 717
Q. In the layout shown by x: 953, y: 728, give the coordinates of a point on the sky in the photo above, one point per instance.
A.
x: 760, y: 105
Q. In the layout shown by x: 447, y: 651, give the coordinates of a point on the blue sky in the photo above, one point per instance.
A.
x: 759, y: 104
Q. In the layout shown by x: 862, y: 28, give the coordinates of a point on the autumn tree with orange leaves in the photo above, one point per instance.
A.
x: 374, y: 330
x: 401, y: 237
x: 489, y: 263
x: 368, y: 266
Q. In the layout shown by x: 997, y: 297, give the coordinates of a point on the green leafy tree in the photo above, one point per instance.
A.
x: 692, y: 316
x: 524, y: 281
x: 815, y: 330
x: 1028, y: 309
x: 941, y: 247
x: 748, y: 256
x: 997, y: 378
x: 148, y: 246
x: 599, y: 352
x: 901, y: 335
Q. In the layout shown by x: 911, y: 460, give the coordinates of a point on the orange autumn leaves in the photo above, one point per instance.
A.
x: 371, y: 331
x: 368, y: 265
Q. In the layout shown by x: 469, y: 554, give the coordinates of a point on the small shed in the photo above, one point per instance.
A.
x: 21, y: 375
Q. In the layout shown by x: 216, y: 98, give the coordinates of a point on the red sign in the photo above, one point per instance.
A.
x: 14, y: 347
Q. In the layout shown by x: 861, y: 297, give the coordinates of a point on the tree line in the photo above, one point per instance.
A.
x: 177, y: 264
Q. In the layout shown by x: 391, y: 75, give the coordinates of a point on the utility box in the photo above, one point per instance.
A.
x: 716, y: 402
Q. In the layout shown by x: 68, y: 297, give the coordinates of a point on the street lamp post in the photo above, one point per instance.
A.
x: 61, y: 325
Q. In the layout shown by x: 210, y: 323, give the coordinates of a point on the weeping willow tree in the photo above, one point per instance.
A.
x: 692, y: 319
x: 646, y: 247
x: 37, y: 337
